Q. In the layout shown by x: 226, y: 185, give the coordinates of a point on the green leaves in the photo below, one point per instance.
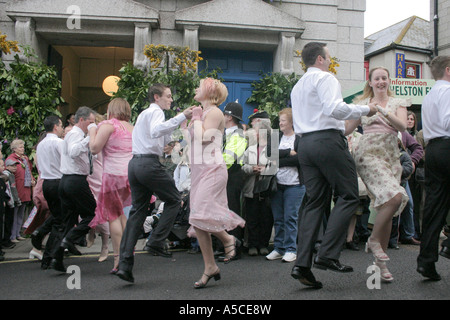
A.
x: 134, y: 85
x: 29, y: 92
x: 273, y: 93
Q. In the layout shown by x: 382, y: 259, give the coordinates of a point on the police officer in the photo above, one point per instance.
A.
x: 233, y: 151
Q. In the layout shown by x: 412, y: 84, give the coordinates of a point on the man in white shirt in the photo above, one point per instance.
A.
x: 48, y: 154
x: 319, y: 115
x: 147, y: 175
x: 436, y: 133
x: 76, y: 196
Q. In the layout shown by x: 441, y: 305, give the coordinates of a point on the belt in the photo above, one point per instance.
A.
x: 438, y: 139
x: 146, y: 156
x: 320, y: 131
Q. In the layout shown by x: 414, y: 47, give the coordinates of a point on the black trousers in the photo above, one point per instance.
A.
x: 327, y: 166
x: 437, y: 200
x: 148, y: 176
x: 259, y: 221
x: 77, y: 200
x: 234, y: 196
x: 54, y: 224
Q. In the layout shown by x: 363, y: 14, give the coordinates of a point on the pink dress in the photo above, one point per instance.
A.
x: 115, y: 193
x: 208, y: 197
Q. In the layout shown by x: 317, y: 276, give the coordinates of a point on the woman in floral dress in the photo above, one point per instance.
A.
x: 377, y: 160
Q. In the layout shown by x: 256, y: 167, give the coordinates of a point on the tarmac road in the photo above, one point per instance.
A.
x: 250, y: 278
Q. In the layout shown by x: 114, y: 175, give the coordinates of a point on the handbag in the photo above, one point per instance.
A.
x: 266, y: 186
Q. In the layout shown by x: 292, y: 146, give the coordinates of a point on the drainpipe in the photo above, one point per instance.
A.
x: 436, y: 20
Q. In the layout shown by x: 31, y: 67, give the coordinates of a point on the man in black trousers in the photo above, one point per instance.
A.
x: 76, y: 197
x: 319, y: 113
x: 48, y: 154
x: 147, y: 175
x: 436, y: 132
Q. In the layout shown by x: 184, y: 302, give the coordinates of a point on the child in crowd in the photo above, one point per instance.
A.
x: 407, y: 170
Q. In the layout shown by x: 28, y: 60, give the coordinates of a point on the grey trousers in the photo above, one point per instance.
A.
x: 327, y: 166
x: 147, y: 176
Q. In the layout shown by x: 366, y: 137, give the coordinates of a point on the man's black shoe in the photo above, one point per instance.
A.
x: 305, y: 276
x: 158, y: 251
x: 45, y: 263
x: 36, y: 239
x: 334, y: 265
x: 66, y: 244
x: 125, y: 275
x: 445, y: 252
x: 429, y: 272
x: 58, y: 266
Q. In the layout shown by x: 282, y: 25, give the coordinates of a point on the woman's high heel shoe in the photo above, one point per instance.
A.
x: 103, y: 254
x: 375, y: 248
x: 116, y: 263
x: 232, y: 254
x: 200, y: 284
x: 384, y: 272
x: 35, y: 254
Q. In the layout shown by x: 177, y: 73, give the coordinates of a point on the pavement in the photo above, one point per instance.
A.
x: 250, y: 280
x: 22, y: 249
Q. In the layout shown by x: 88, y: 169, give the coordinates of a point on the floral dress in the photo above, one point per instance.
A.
x: 377, y: 157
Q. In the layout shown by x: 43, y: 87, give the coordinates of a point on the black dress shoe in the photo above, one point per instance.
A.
x: 429, y: 272
x: 393, y: 246
x: 66, y: 244
x: 58, y: 266
x: 445, y: 252
x: 36, y: 239
x: 305, y: 276
x: 45, y: 263
x: 158, y: 251
x: 334, y: 265
x: 352, y: 246
x: 125, y: 275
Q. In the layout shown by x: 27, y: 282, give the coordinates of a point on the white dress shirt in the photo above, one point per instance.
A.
x: 48, y: 153
x: 151, y: 132
x: 317, y: 103
x: 75, y: 157
x: 436, y: 111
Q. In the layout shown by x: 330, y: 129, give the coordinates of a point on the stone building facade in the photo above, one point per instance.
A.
x: 90, y: 40
x: 440, y: 9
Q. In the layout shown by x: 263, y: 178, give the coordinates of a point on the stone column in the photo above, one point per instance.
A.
x: 25, y: 29
x: 284, y: 57
x: 191, y: 37
x: 142, y: 37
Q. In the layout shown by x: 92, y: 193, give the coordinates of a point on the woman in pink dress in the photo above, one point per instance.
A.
x: 113, y: 139
x: 209, y: 212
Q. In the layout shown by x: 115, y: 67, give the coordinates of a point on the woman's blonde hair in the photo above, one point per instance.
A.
x: 16, y: 143
x: 368, y: 91
x: 120, y: 109
x: 216, y: 91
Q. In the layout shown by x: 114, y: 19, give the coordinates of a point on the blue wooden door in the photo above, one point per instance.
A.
x: 240, y: 69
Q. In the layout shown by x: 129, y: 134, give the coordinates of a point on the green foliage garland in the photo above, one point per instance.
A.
x: 30, y: 91
x: 273, y: 93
